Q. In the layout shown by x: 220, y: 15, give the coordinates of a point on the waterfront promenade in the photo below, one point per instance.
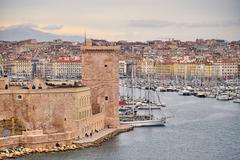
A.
x: 95, y: 136
x: 102, y: 135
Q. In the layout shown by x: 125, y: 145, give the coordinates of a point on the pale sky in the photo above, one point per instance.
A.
x: 133, y: 20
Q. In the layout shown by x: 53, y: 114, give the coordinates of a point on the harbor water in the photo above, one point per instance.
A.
x: 200, y: 129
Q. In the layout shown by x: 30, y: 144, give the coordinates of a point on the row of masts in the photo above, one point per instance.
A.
x: 148, y: 91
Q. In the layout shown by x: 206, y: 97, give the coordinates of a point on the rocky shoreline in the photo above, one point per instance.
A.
x: 22, y: 151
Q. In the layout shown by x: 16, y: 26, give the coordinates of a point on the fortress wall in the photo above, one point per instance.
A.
x: 6, y: 106
x: 90, y: 125
x: 37, y: 141
x: 50, y: 116
x: 51, y: 110
x: 12, y: 141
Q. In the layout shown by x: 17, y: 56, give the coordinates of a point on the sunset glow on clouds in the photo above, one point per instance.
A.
x: 137, y: 20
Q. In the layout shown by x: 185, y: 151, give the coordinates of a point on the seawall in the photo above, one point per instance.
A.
x: 91, y: 141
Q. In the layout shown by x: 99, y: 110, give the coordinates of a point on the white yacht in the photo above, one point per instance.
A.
x: 161, y: 104
x: 171, y: 89
x: 145, y: 123
x: 223, y: 97
x: 146, y: 107
x: 184, y: 92
x: 201, y: 94
x: 236, y: 100
x: 161, y: 89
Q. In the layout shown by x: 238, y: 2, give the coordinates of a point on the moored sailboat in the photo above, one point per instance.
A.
x: 146, y: 120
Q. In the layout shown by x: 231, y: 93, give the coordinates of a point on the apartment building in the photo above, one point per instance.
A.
x: 63, y: 69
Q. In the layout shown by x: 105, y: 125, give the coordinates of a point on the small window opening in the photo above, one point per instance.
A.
x: 19, y: 97
x: 106, y: 98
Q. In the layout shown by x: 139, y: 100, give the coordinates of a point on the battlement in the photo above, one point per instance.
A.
x: 100, y: 48
x: 45, y: 91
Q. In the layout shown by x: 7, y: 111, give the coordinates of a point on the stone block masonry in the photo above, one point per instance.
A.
x: 100, y: 73
x: 52, y: 111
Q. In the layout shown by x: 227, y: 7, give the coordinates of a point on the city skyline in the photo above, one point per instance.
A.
x: 140, y: 20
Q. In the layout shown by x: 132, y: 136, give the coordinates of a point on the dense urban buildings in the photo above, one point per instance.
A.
x: 59, y: 60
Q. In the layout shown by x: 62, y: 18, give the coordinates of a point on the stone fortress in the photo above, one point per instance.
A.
x: 43, y: 116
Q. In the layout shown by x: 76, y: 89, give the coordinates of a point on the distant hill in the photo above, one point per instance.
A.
x: 22, y: 32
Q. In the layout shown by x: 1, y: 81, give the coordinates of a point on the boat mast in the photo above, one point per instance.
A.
x: 149, y: 86
x: 132, y: 83
x: 158, y: 95
x: 123, y: 90
x: 185, y: 75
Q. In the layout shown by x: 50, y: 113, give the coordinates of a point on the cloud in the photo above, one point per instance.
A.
x: 150, y: 23
x: 25, y: 25
x: 162, y: 23
x: 33, y: 26
x: 52, y: 27
x: 2, y: 27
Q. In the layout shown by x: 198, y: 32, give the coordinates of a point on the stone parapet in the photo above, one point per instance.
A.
x: 100, y: 48
x: 34, y: 132
x: 36, y: 141
x: 12, y: 141
x: 52, y: 90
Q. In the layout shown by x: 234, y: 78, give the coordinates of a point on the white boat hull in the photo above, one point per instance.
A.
x: 236, y: 101
x: 147, y: 108
x: 224, y: 98
x: 184, y: 93
x: 145, y: 123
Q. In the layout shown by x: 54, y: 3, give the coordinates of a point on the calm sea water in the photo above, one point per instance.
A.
x: 202, y: 129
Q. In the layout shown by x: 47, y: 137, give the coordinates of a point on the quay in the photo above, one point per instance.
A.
x: 102, y: 136
x: 91, y: 141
